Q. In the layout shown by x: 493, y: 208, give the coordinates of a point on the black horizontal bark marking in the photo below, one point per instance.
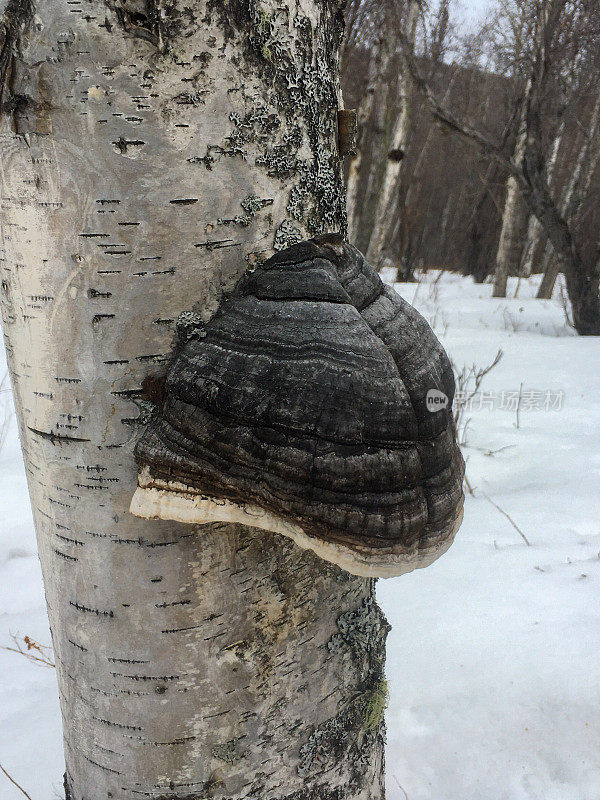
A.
x: 87, y: 610
x: 216, y: 636
x: 118, y: 361
x: 120, y: 725
x: 127, y: 660
x: 78, y: 646
x: 100, y: 317
x: 217, y: 244
x: 184, y: 201
x: 181, y: 630
x: 146, y: 678
x: 64, y: 555
x: 181, y: 740
x: 122, y: 144
x: 95, y: 293
x: 166, y: 544
x: 152, y: 357
x: 55, y: 437
x: 128, y: 392
x: 101, y: 766
x: 58, y: 502
x: 69, y: 541
x: 110, y: 752
x: 174, y: 603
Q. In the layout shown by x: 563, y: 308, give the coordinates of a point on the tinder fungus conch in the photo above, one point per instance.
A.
x: 316, y: 404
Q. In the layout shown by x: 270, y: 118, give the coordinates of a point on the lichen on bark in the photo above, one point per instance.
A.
x: 299, y: 64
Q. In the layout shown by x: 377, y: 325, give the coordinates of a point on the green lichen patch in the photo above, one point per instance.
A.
x: 346, y: 735
x: 375, y: 705
x: 286, y: 235
x: 253, y: 204
x: 298, y: 66
x: 189, y: 324
x: 229, y: 752
x: 362, y: 630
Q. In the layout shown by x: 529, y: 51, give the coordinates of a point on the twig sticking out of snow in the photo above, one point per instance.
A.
x: 468, y: 381
x: 510, y: 519
x: 12, y: 780
x: 44, y: 652
x: 402, y: 789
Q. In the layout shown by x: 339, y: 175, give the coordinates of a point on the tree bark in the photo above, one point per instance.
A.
x: 585, y: 166
x: 399, y: 144
x: 514, y: 218
x: 376, y: 66
x: 149, y: 154
x: 534, y: 229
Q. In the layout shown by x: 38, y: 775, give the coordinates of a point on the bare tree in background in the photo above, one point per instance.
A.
x: 511, y: 33
x: 554, y: 21
x: 366, y: 26
x: 581, y: 173
x: 389, y: 191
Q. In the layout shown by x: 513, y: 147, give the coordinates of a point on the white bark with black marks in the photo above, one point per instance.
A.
x: 151, y: 152
x: 387, y: 198
x: 534, y: 229
x: 514, y: 216
x: 377, y: 66
x: 586, y: 163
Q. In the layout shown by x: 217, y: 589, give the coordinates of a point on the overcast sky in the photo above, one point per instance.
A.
x: 471, y: 10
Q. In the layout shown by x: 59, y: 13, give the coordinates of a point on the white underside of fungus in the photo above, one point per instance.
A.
x: 173, y: 500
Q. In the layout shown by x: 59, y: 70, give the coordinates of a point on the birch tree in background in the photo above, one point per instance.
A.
x: 388, y: 192
x: 377, y: 65
x: 576, y: 191
x: 534, y: 229
x: 369, y: 26
x: 514, y: 216
x: 511, y: 36
x: 149, y: 153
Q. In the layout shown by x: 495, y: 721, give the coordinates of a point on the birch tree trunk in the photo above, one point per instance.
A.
x: 534, y: 229
x: 149, y: 154
x: 364, y: 115
x: 399, y: 144
x: 374, y: 146
x: 515, y: 218
x: 585, y: 166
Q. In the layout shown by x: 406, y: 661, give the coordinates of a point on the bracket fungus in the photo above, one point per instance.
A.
x: 302, y: 408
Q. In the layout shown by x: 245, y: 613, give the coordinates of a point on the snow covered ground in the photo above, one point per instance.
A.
x: 494, y: 658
